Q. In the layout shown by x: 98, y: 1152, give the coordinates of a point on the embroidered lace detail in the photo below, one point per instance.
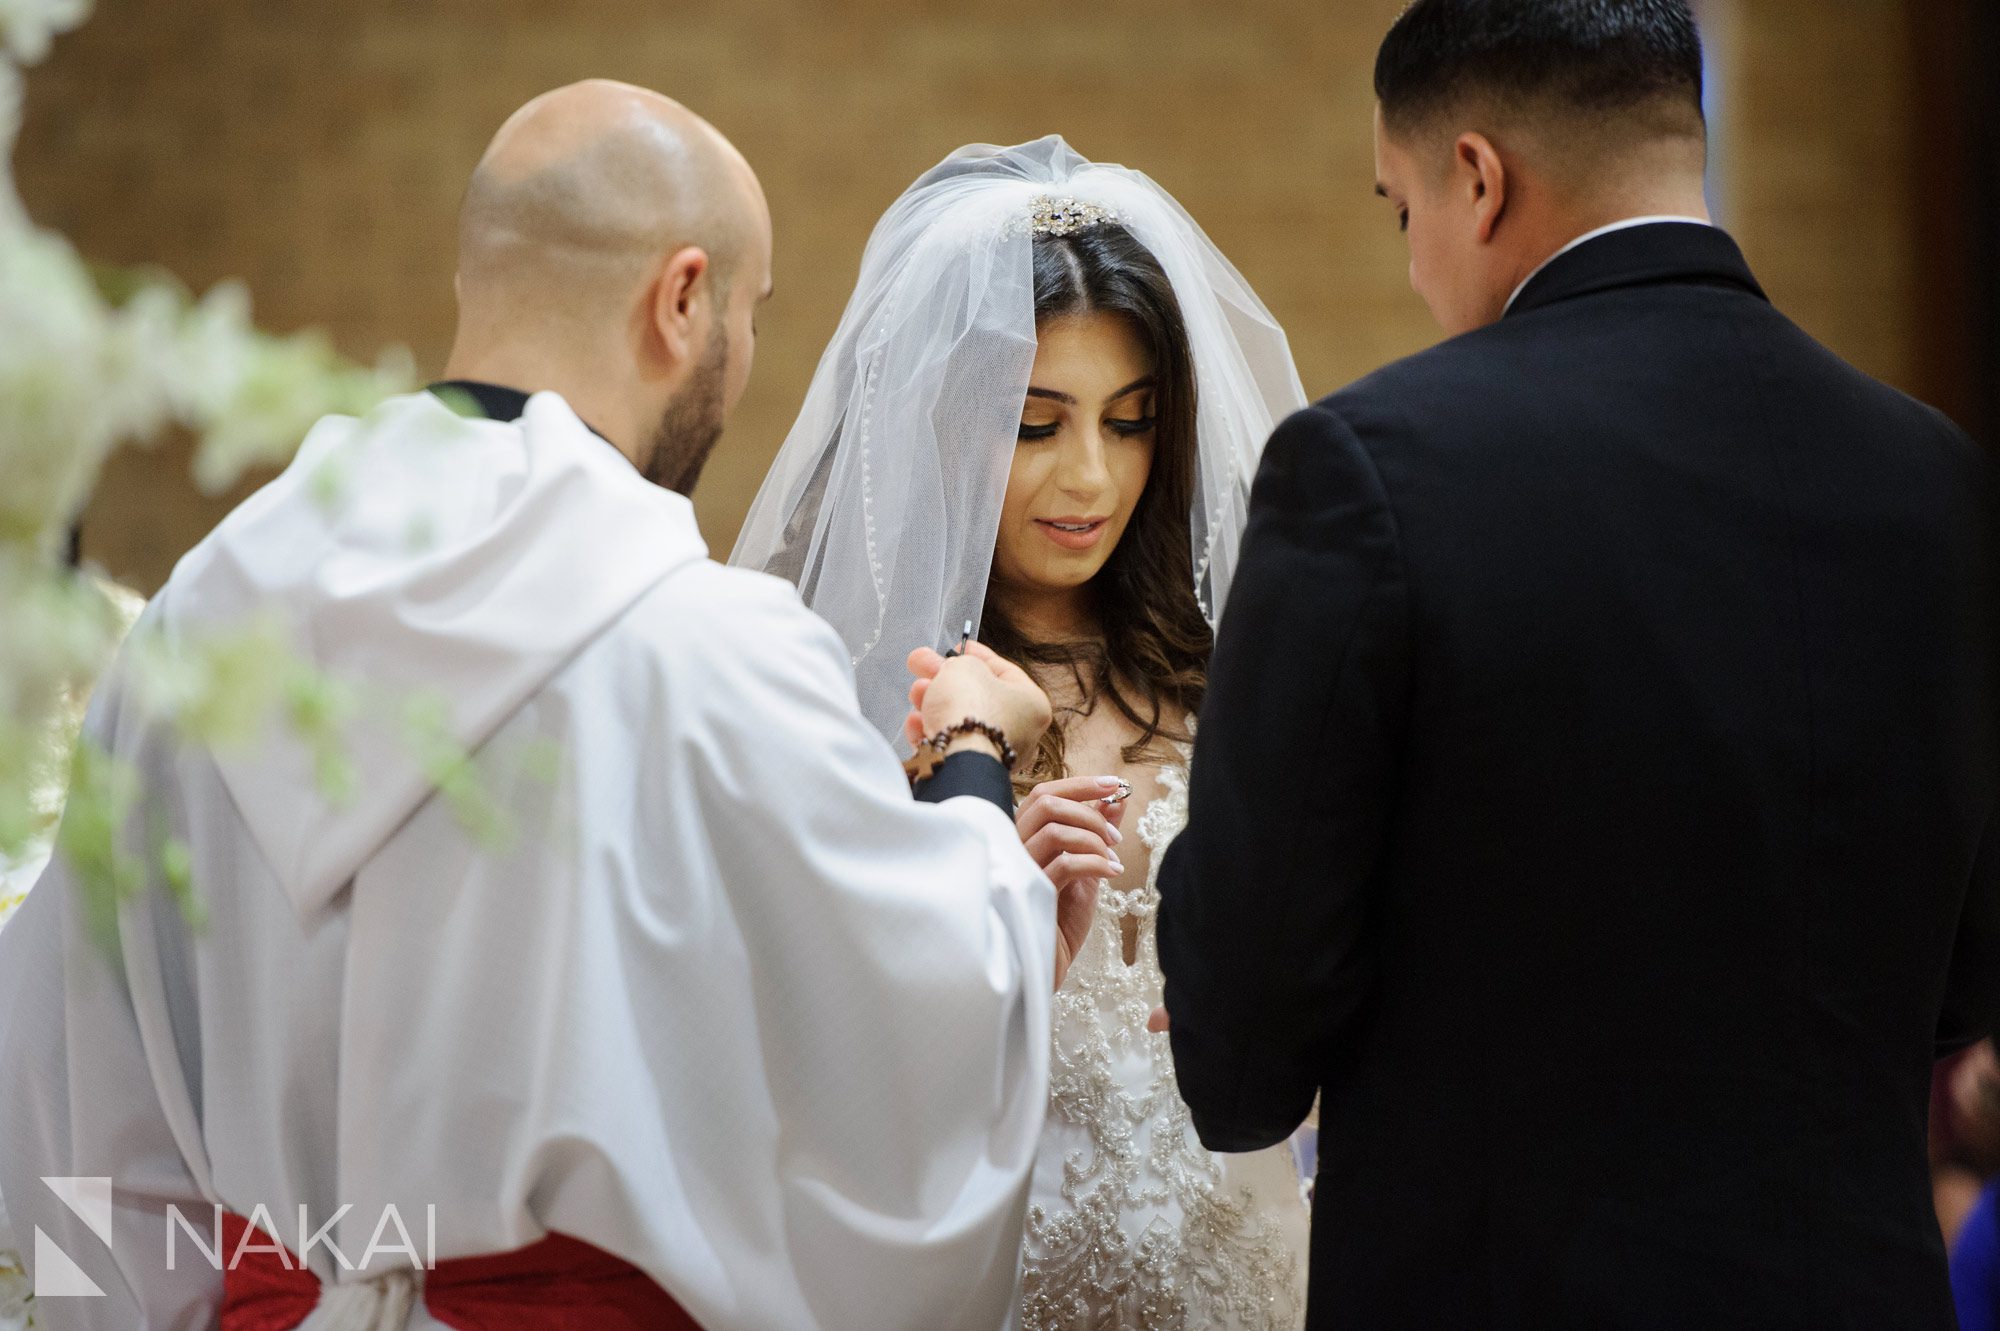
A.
x: 1149, y: 1232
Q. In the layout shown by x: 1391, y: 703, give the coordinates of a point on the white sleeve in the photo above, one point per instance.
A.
x: 79, y: 1101
x: 900, y: 958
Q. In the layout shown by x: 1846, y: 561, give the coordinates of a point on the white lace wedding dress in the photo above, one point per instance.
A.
x: 1131, y: 1223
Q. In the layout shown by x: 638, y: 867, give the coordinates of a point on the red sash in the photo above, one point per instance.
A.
x: 558, y: 1284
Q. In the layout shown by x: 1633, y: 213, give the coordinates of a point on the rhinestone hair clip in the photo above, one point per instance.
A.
x: 1050, y: 216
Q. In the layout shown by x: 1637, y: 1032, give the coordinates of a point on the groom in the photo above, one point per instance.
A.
x: 1640, y: 850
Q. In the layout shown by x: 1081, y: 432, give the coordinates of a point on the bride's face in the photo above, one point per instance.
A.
x: 1084, y: 453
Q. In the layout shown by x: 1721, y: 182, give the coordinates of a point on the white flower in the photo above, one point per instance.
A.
x: 252, y: 396
x: 15, y: 1290
x: 211, y: 350
x: 82, y: 374
x: 13, y: 216
x: 76, y: 378
x: 28, y: 26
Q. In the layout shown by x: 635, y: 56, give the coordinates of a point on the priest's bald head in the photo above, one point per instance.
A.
x: 614, y: 247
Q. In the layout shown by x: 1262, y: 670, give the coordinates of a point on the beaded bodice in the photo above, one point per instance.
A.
x: 1133, y: 1223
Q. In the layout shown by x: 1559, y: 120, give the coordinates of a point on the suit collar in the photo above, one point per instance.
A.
x: 1681, y: 252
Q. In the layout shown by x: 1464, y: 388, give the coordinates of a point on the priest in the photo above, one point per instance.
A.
x: 669, y: 1006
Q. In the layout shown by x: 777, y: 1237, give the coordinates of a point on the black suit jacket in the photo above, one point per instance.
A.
x: 1595, y: 801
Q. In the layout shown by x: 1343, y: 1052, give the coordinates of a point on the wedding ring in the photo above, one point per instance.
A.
x: 1124, y: 793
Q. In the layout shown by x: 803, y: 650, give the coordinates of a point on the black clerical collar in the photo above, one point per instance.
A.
x: 496, y: 402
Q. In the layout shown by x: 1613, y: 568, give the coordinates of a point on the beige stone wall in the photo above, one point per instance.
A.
x: 317, y: 148
x: 1817, y: 161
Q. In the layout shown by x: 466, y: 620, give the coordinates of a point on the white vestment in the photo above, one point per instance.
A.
x: 725, y: 1002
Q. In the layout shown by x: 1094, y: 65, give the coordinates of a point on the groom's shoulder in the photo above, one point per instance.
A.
x: 1463, y: 375
x: 1407, y: 404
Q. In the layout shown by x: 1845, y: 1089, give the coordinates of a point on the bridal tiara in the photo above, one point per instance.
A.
x: 1050, y: 216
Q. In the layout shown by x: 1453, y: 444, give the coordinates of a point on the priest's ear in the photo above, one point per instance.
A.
x: 680, y: 307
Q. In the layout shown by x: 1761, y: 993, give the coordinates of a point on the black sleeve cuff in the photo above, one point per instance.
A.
x: 980, y: 775
x: 1230, y: 1140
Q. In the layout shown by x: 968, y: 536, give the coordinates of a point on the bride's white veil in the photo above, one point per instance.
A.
x: 884, y: 503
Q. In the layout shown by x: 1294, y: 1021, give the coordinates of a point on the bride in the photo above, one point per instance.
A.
x: 1041, y: 414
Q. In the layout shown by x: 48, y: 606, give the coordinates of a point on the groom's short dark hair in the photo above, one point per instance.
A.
x: 1594, y: 57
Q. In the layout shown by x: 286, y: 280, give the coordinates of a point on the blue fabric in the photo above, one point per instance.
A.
x: 1975, y: 1266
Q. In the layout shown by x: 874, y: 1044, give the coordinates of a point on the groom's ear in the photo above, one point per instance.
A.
x: 1483, y: 176
x: 675, y: 304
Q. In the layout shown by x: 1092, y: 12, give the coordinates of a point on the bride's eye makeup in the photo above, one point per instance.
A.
x: 1140, y: 403
x: 1031, y: 432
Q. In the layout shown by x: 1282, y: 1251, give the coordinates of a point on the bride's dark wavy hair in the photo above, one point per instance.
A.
x: 1151, y: 662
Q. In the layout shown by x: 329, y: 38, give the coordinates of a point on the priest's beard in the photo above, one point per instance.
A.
x: 691, y: 424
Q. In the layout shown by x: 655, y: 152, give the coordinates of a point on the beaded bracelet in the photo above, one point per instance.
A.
x: 942, y: 740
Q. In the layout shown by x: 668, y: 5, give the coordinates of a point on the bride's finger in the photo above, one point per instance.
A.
x: 1078, y: 787
x: 1037, y: 814
x: 925, y: 662
x: 1067, y: 869
x: 1057, y: 839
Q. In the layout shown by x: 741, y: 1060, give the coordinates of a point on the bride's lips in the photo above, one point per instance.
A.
x: 1074, y: 533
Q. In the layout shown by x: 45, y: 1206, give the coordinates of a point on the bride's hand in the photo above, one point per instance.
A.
x: 1069, y: 831
x: 981, y: 684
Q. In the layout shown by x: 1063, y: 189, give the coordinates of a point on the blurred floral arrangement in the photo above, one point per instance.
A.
x: 17, y: 1310
x: 93, y: 359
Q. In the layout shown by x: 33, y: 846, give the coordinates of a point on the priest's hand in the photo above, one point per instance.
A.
x: 1070, y: 829
x: 981, y: 685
